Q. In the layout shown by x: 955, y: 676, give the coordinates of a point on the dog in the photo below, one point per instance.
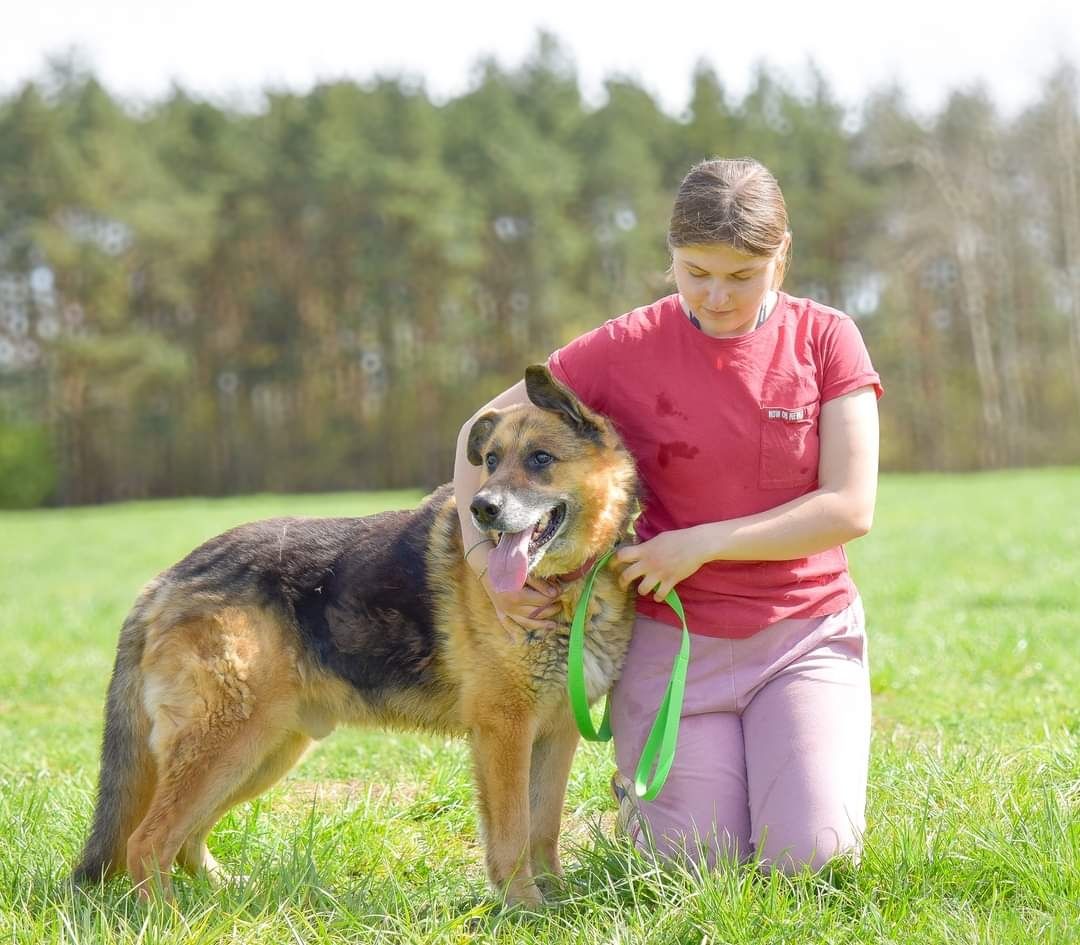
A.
x: 235, y: 660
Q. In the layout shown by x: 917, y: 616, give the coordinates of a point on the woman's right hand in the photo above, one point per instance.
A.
x: 531, y: 608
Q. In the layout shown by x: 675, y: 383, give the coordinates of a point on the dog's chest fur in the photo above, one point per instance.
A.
x: 607, y: 636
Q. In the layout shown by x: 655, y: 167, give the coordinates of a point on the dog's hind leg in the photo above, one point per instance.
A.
x: 553, y: 754
x: 221, y: 694
x: 194, y: 781
x: 196, y: 859
x: 194, y: 856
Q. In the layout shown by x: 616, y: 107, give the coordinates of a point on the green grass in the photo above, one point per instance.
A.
x: 972, y: 590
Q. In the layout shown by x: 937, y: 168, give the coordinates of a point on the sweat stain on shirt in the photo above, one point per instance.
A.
x: 676, y: 450
x: 665, y: 408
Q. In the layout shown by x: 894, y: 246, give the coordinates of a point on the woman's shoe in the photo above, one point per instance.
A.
x: 628, y: 819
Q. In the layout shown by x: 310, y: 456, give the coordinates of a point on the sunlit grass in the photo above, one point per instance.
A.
x: 972, y: 589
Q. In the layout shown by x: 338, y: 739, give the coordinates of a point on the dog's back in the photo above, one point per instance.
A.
x: 356, y: 590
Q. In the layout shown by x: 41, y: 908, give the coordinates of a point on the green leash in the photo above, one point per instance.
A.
x: 659, y: 750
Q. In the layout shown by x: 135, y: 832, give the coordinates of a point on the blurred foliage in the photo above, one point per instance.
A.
x: 27, y: 466
x: 316, y: 295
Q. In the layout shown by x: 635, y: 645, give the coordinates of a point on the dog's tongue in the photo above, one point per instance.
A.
x: 508, y: 563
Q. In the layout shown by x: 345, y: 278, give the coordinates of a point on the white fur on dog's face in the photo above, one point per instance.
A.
x: 520, y: 505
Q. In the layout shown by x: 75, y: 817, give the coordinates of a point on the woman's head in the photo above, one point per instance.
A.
x: 728, y: 235
x: 735, y: 201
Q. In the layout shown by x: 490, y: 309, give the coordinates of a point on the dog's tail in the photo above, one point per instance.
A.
x: 127, y: 768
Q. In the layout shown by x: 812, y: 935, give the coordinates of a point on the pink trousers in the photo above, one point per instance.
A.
x: 773, y: 743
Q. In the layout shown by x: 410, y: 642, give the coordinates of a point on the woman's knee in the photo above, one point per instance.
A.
x: 793, y: 850
x: 686, y: 842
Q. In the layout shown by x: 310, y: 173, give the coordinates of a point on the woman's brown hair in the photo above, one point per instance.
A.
x: 735, y: 201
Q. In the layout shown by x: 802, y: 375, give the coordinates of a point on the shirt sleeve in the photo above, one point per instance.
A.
x: 584, y: 364
x: 845, y: 362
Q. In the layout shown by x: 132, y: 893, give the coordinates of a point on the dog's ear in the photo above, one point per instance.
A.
x: 548, y: 394
x: 479, y: 435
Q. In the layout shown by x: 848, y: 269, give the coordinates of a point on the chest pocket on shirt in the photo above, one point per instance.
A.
x: 789, y: 446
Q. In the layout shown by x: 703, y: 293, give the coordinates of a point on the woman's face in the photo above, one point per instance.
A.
x: 722, y: 287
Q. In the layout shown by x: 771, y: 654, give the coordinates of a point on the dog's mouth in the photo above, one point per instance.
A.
x: 516, y: 552
x: 546, y: 529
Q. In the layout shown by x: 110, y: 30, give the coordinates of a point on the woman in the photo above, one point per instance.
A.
x: 752, y: 417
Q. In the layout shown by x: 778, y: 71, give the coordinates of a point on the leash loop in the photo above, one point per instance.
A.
x: 659, y: 750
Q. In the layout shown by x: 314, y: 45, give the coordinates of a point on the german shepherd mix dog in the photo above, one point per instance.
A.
x: 233, y: 661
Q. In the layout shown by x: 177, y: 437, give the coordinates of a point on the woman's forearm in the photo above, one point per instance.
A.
x: 468, y: 478
x: 805, y: 526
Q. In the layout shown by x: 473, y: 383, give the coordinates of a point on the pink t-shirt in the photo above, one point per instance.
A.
x: 721, y: 428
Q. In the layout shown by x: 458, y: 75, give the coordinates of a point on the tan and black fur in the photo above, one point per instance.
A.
x: 236, y: 659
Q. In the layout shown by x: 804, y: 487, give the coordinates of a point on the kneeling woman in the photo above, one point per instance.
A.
x: 752, y: 416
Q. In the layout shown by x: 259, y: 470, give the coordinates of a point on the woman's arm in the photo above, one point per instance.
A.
x: 467, y: 477
x: 530, y: 606
x: 840, y: 509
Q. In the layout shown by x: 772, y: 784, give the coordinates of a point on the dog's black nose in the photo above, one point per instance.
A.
x: 485, y: 510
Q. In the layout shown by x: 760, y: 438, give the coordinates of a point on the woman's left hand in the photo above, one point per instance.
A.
x: 659, y: 563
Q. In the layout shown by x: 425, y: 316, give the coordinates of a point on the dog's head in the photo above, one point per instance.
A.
x: 559, y: 487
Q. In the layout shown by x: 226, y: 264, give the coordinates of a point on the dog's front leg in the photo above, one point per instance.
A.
x: 502, y: 749
x: 553, y: 754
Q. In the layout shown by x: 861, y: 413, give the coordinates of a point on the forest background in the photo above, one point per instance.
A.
x: 314, y: 294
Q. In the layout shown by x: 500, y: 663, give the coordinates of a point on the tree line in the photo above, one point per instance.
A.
x: 201, y: 299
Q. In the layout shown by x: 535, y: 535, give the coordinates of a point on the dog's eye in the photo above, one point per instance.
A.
x: 491, y: 461
x: 540, y: 458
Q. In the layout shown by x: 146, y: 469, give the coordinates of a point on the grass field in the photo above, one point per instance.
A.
x: 972, y: 591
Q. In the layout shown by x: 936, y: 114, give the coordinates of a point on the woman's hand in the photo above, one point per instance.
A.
x: 531, y: 608
x: 659, y: 563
